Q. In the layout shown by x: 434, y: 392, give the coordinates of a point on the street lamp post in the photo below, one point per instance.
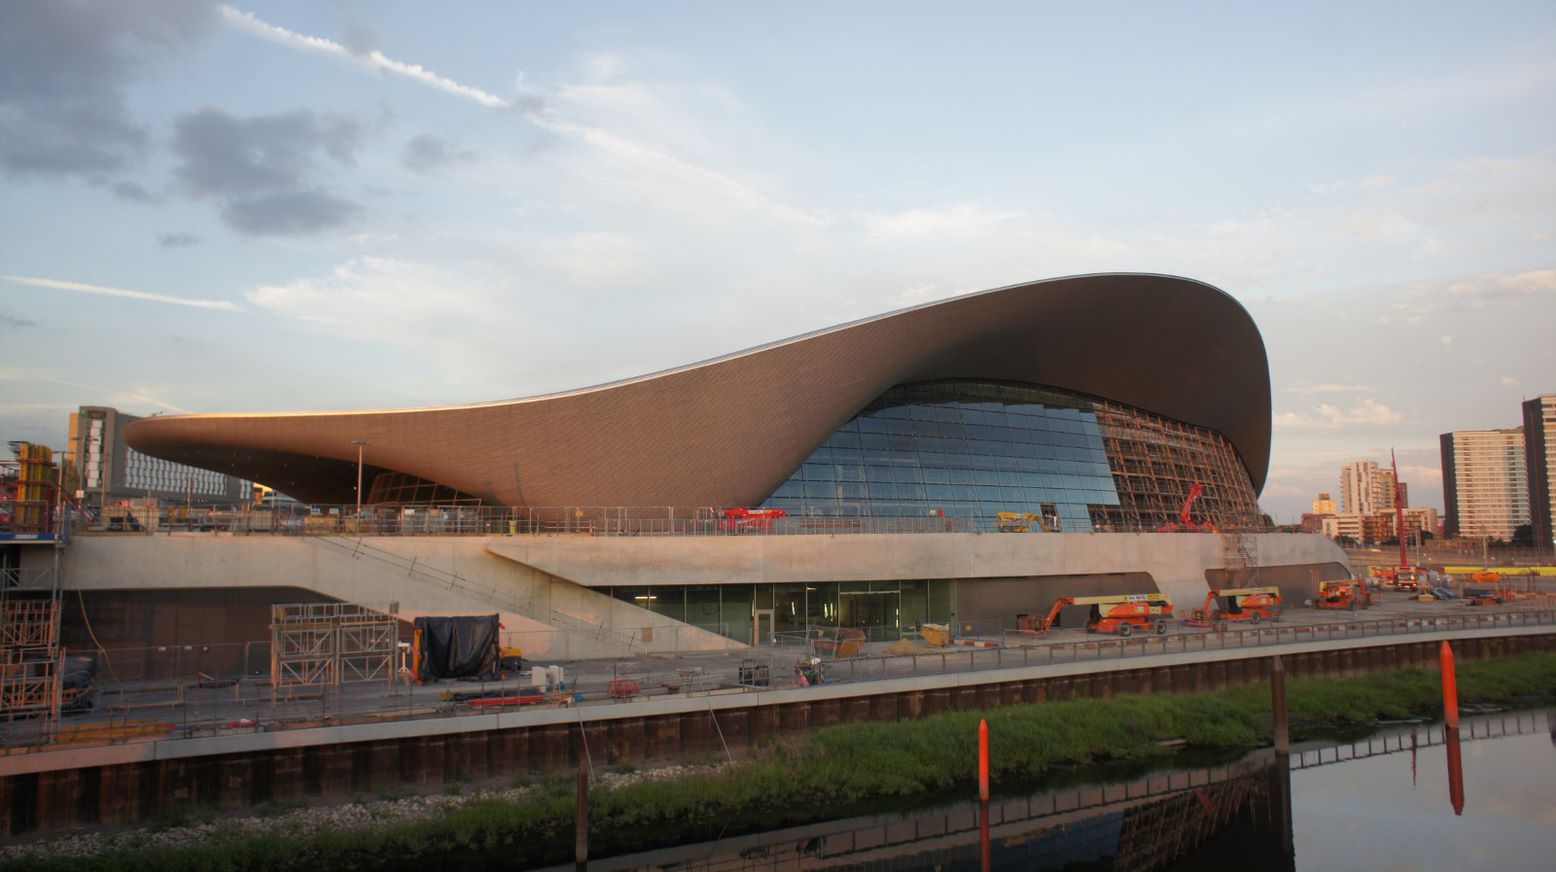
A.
x: 361, y: 445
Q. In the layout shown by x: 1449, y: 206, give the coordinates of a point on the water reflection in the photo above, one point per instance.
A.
x: 1335, y: 806
x: 1455, y: 771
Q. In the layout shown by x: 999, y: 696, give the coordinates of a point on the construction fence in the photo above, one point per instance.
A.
x: 204, y: 693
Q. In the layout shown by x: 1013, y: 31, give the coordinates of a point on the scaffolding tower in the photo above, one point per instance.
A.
x: 322, y: 645
x: 31, y: 657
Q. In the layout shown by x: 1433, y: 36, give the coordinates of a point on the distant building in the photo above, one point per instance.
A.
x: 1485, y: 483
x: 1361, y: 527
x: 111, y: 471
x: 1540, y: 464
x: 1366, y: 488
x: 1325, y: 505
x: 1376, y: 526
x: 1422, y: 518
x: 1357, y: 487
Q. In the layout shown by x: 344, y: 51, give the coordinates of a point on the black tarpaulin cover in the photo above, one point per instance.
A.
x: 457, y: 647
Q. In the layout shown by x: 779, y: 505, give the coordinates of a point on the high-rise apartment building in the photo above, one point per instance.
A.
x: 1366, y: 488
x: 1325, y: 505
x: 1485, y: 483
x: 1358, y: 487
x: 1540, y: 463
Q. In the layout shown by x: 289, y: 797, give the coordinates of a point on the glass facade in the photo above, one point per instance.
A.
x: 975, y: 449
x: 882, y: 609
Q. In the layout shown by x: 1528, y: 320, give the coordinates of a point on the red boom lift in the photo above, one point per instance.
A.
x: 1185, y: 519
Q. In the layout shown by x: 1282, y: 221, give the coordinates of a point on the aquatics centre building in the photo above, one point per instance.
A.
x: 960, y: 461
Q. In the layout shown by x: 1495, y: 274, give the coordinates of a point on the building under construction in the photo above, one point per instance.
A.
x: 35, y: 682
x: 850, y: 477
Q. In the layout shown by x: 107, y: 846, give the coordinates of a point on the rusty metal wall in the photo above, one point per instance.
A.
x: 118, y: 794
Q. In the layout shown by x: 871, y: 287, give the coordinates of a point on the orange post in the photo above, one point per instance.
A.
x: 983, y: 760
x: 1450, y: 687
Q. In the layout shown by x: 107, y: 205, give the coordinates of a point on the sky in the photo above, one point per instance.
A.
x: 273, y: 206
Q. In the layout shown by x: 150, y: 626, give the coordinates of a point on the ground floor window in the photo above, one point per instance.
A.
x: 884, y: 610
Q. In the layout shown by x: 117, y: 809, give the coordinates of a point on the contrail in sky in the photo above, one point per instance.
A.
x: 531, y: 110
x: 376, y: 59
x: 58, y: 285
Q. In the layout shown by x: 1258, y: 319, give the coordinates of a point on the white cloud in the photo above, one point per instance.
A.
x: 1509, y: 380
x: 123, y: 293
x: 1447, y: 341
x: 958, y: 220
x: 1493, y: 285
x: 419, y: 305
x: 1328, y: 388
x: 1419, y: 476
x: 1326, y: 416
x: 1379, y: 227
x: 1376, y: 182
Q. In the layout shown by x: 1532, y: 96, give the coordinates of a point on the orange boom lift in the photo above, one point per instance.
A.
x: 1252, y: 604
x: 1121, y: 614
x: 1349, y: 594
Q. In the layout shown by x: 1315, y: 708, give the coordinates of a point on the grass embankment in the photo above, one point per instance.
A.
x: 835, y: 770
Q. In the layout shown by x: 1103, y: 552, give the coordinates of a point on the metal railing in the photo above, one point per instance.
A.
x: 469, y: 520
x: 200, y: 690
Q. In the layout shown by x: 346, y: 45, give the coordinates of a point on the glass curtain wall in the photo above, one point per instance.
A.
x: 974, y: 449
x: 883, y: 609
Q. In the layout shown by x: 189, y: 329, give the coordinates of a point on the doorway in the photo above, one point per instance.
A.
x: 877, y: 612
x: 757, y: 625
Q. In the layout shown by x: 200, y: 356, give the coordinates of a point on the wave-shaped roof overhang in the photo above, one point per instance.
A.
x: 729, y: 431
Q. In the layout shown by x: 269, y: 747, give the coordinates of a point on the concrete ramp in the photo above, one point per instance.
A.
x: 548, y: 616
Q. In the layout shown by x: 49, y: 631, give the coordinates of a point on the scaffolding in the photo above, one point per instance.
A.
x: 31, y: 657
x: 1157, y: 461
x: 1240, y: 559
x: 29, y: 485
x: 322, y: 645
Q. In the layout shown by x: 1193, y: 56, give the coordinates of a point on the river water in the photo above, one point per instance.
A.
x: 1387, y: 802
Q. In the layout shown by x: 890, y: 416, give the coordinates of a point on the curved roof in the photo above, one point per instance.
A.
x: 728, y: 431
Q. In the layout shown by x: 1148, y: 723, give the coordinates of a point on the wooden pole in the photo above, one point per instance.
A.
x: 1278, y: 703
x: 1450, y: 686
x: 983, y: 760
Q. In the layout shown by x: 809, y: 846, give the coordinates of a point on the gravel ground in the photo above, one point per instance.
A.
x: 304, y: 822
